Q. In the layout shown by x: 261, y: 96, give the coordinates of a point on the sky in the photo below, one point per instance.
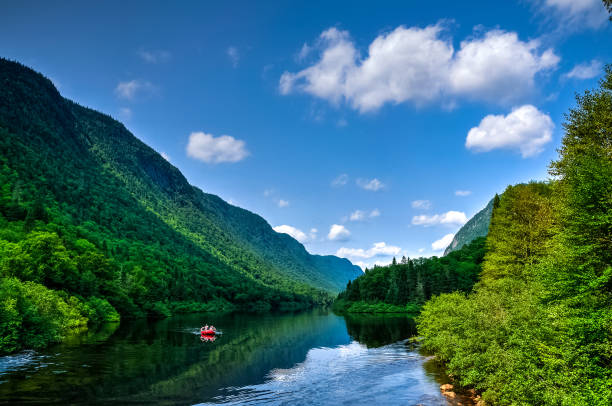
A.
x: 365, y: 130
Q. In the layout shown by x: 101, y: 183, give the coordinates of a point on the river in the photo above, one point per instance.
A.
x: 314, y: 357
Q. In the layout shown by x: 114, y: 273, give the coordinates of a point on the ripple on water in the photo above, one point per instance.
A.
x: 345, y: 375
x: 25, y: 359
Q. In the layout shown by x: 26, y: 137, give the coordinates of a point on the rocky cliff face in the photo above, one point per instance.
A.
x: 477, y: 226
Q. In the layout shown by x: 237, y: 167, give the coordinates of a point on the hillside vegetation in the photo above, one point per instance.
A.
x: 537, y: 329
x: 95, y: 225
x: 477, y: 226
x: 405, y: 286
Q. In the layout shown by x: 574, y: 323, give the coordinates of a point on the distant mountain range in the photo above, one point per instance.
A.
x: 477, y: 226
x: 80, y: 174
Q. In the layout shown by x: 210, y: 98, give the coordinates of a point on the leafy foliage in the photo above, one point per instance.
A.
x: 404, y: 286
x: 538, y: 327
x: 90, y: 212
x: 33, y: 316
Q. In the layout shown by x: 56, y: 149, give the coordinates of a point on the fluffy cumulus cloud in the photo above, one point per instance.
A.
x: 370, y: 184
x: 211, y: 149
x: 442, y: 243
x: 421, y: 204
x: 419, y: 65
x: 338, y: 232
x: 525, y: 129
x: 576, y: 14
x: 463, y: 193
x: 585, y: 70
x: 498, y: 66
x: 134, y: 89
x: 450, y: 217
x: 379, y: 249
x: 283, y: 203
x: 293, y: 232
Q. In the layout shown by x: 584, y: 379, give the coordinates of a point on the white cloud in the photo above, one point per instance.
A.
x: 369, y: 265
x: 234, y: 56
x: 154, y: 56
x: 293, y: 232
x: 450, y: 217
x: 341, y: 180
x: 442, y: 243
x: 338, y: 232
x: 585, y: 70
x: 359, y: 215
x: 576, y: 14
x: 313, y: 233
x: 463, y: 193
x: 526, y: 129
x: 421, y: 204
x: 165, y: 156
x: 134, y: 88
x: 210, y: 149
x: 304, y: 52
x: 283, y: 203
x: 372, y: 184
x: 379, y: 249
x: 498, y: 67
x: 420, y: 65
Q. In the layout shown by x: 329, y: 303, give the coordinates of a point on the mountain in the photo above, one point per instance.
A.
x: 116, y: 221
x: 477, y: 226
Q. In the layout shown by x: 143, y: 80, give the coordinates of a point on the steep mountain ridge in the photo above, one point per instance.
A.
x: 204, y: 217
x: 477, y: 226
x: 88, y: 177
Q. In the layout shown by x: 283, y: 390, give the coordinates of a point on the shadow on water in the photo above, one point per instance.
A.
x: 164, y: 362
x: 376, y: 330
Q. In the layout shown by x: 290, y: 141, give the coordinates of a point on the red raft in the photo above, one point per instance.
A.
x: 207, y: 332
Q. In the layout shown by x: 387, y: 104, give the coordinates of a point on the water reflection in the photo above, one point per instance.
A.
x: 310, y: 357
x: 377, y: 330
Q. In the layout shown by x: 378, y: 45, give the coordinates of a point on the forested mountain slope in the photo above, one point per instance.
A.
x: 92, y: 220
x: 235, y: 235
x: 405, y: 285
x: 477, y: 226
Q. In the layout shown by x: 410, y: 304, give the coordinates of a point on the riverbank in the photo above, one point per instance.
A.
x: 346, y: 306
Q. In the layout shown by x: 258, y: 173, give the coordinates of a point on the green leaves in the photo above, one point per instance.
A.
x: 538, y: 327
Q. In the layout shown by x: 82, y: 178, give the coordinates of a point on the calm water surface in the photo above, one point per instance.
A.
x: 306, y: 358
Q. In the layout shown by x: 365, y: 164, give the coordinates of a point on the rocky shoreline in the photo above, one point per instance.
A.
x: 461, y: 398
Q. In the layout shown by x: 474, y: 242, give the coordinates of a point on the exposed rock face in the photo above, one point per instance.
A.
x: 477, y: 226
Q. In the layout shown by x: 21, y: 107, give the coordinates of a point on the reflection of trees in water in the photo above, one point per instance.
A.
x: 146, y: 361
x: 378, y: 330
x: 250, y: 347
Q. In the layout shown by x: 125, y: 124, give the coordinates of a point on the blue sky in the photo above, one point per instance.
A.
x: 364, y: 129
